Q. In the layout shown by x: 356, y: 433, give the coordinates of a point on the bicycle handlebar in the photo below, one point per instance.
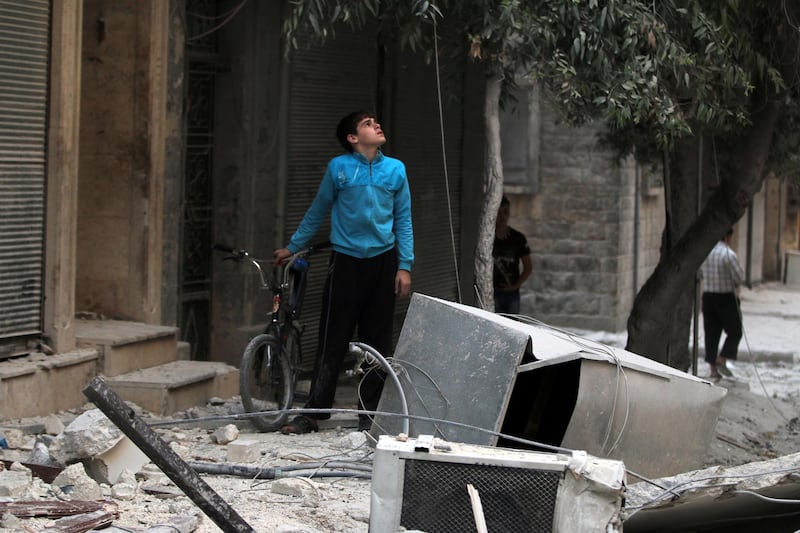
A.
x: 241, y: 254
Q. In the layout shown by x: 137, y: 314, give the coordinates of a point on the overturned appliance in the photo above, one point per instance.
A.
x: 423, y: 484
x: 484, y: 371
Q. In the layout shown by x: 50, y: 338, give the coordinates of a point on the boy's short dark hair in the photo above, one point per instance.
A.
x: 349, y: 126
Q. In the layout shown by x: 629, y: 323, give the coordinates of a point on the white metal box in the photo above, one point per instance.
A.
x: 422, y: 484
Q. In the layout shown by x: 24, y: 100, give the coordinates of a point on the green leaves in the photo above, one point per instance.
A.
x: 626, y: 62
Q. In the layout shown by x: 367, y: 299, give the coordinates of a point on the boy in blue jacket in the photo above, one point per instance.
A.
x: 368, y: 198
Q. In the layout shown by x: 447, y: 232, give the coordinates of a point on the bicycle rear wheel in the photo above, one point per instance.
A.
x: 266, y: 382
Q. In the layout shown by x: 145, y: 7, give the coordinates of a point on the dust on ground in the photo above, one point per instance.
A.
x: 759, y: 420
x: 752, y: 427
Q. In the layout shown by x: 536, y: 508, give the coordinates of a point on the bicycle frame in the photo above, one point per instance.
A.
x: 291, y: 274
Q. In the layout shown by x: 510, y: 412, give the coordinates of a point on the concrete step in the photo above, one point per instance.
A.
x: 128, y: 346
x: 170, y: 387
x: 40, y: 384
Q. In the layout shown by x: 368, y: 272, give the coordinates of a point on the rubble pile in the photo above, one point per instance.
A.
x: 78, y: 472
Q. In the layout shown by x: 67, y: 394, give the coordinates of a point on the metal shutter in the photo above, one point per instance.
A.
x: 326, y: 83
x: 24, y: 61
x: 418, y: 143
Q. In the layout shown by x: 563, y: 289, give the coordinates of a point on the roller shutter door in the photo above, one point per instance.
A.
x: 24, y: 58
x: 326, y: 83
x: 419, y: 144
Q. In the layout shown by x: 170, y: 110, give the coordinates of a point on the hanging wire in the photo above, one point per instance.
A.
x: 232, y: 13
x: 444, y: 156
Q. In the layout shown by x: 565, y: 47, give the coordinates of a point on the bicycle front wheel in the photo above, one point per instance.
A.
x: 266, y: 382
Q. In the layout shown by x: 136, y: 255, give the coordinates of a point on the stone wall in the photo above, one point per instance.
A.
x: 592, y: 243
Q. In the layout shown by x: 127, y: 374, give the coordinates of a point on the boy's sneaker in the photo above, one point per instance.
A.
x: 364, y: 423
x: 299, y: 425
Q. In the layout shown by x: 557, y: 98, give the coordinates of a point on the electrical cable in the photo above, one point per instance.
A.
x: 391, y: 373
x: 444, y: 156
x: 598, y: 349
x: 232, y: 13
x: 755, y: 367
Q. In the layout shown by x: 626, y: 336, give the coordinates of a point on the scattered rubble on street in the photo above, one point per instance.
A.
x: 75, y: 470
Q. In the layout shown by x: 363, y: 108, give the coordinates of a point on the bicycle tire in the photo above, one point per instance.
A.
x: 266, y: 382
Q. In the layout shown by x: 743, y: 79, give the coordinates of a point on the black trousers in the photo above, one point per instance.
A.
x: 721, y: 313
x: 359, y: 293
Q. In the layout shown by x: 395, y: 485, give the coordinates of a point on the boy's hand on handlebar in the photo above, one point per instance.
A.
x: 402, y: 283
x: 280, y: 255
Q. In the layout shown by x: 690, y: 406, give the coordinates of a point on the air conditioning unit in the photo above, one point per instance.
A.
x: 422, y: 484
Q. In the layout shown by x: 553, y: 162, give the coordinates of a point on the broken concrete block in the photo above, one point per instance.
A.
x: 225, y: 434
x: 184, y: 452
x: 244, y: 451
x: 294, y: 487
x: 126, y: 486
x: 109, y: 465
x: 90, y: 434
x: 10, y: 522
x: 40, y: 455
x: 123, y: 491
x: 75, y: 483
x: 15, y: 483
x: 15, y: 438
x: 53, y: 425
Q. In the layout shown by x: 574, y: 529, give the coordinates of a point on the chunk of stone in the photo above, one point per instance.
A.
x: 76, y: 484
x: 225, y: 434
x: 14, y: 483
x: 90, y: 434
x: 294, y: 487
x: 244, y: 451
x: 53, y: 425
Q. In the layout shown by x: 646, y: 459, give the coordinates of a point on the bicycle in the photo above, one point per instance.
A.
x: 271, y: 360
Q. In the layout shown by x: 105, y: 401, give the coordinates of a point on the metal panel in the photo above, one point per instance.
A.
x: 467, y: 365
x: 24, y: 57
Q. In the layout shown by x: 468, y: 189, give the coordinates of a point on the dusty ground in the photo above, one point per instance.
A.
x: 759, y: 420
x: 752, y: 427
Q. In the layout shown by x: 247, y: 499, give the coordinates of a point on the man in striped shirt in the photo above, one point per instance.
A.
x: 722, y: 276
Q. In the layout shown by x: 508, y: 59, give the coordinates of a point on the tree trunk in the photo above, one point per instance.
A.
x: 493, y: 193
x: 658, y: 326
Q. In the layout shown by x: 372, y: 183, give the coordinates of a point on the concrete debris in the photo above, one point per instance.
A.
x: 10, y: 522
x: 17, y: 439
x: 15, y: 483
x: 53, y: 425
x: 75, y: 484
x: 225, y: 434
x: 719, y: 496
x: 298, y: 487
x: 244, y: 451
x: 180, y: 524
x: 126, y: 486
x: 90, y: 434
x: 40, y: 454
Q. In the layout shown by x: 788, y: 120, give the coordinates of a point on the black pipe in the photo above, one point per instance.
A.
x: 211, y: 503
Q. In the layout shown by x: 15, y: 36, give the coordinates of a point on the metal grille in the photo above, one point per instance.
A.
x: 197, y: 222
x: 24, y: 56
x: 435, y: 497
